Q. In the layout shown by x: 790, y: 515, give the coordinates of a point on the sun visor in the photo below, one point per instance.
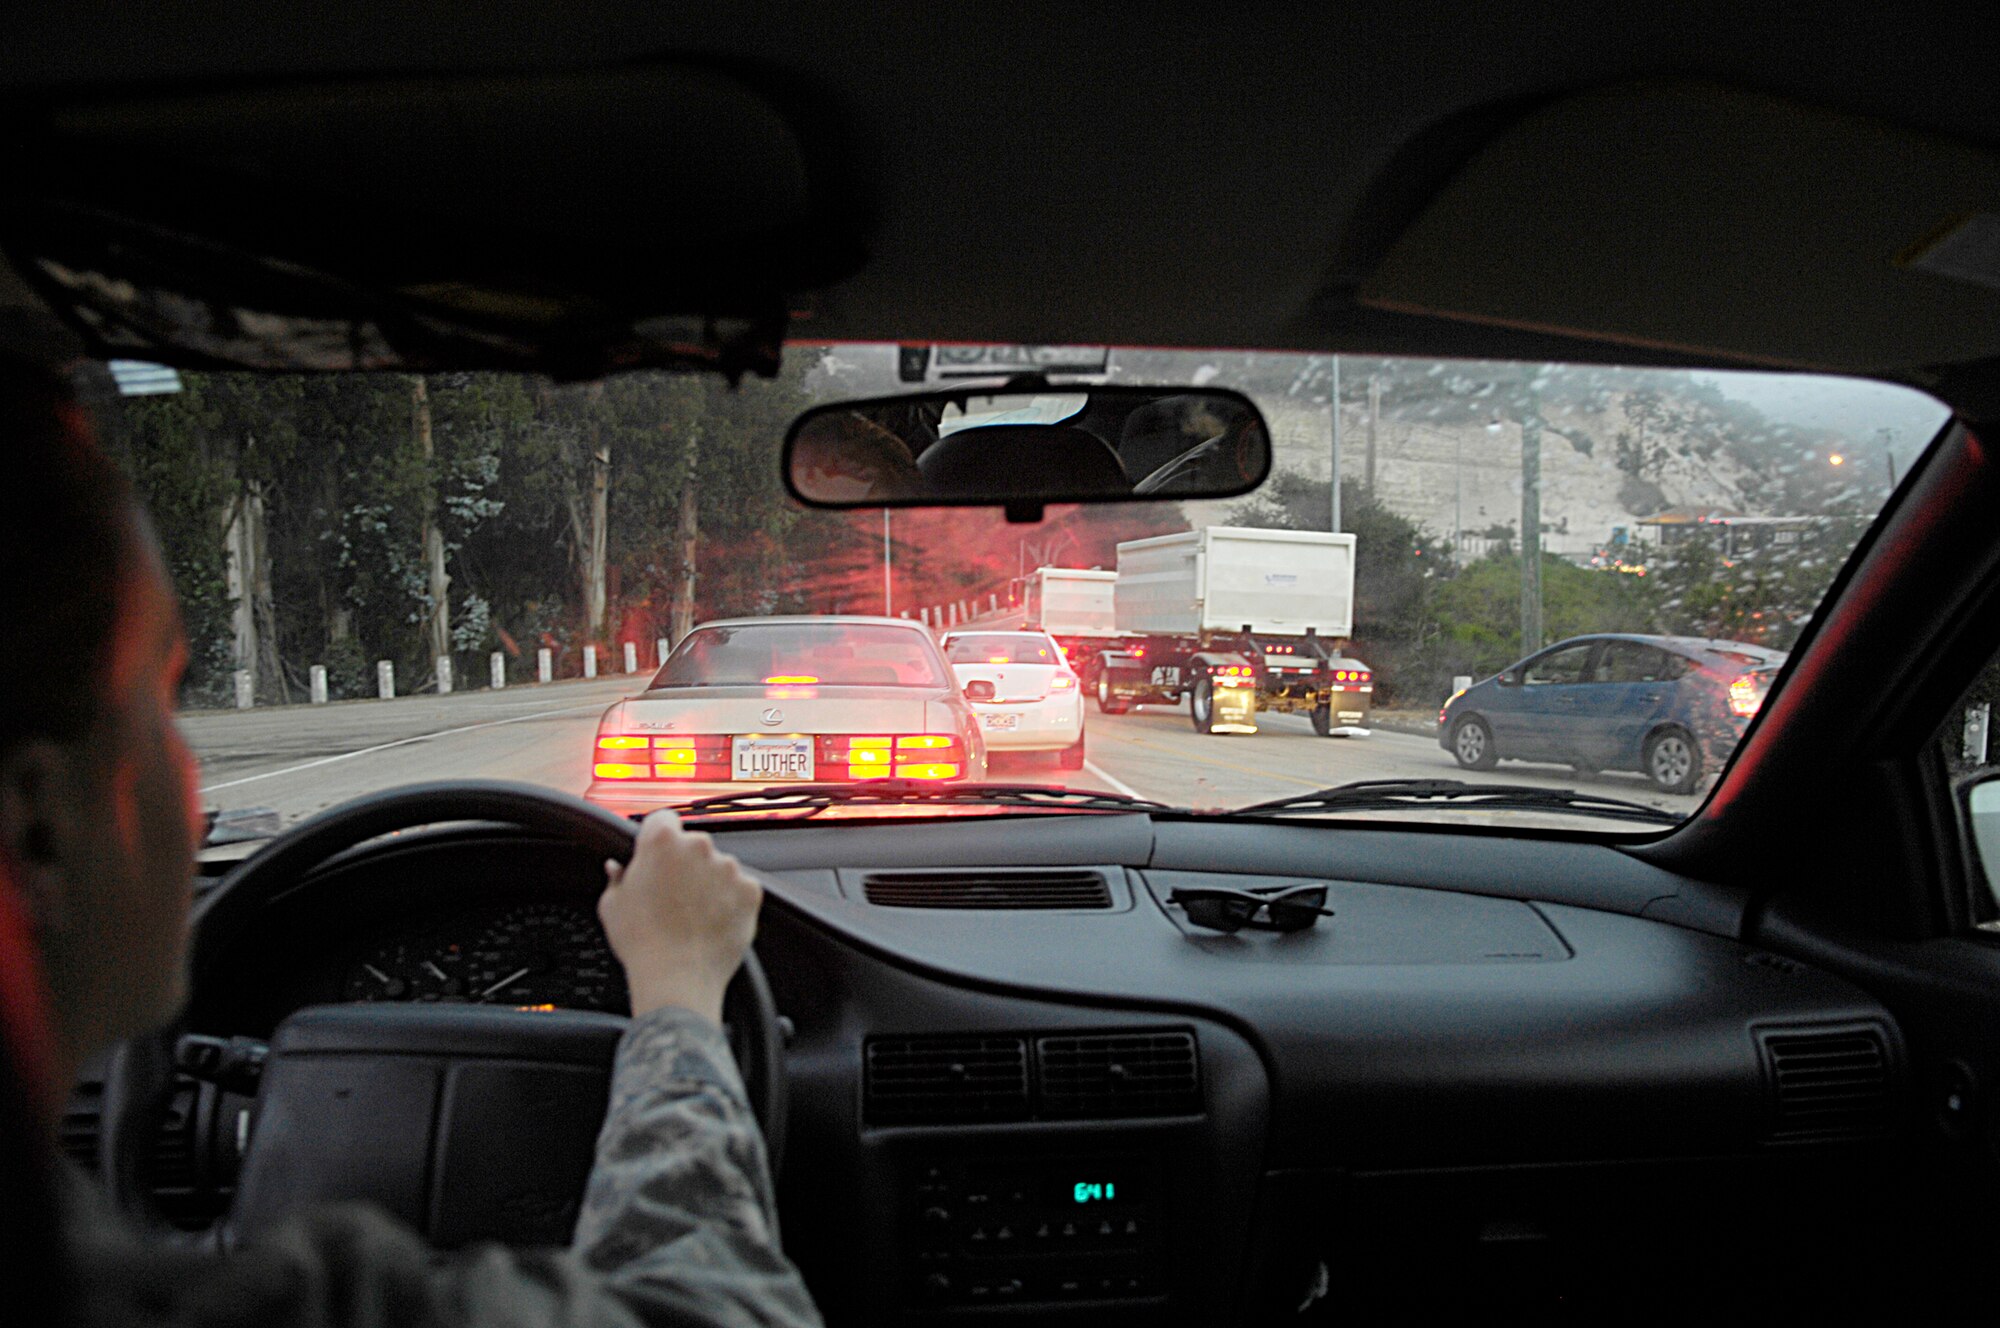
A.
x: 568, y: 223
x: 1701, y: 219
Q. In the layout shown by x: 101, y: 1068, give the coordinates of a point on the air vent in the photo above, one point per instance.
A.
x: 991, y: 890
x: 82, y: 1122
x: 172, y: 1166
x: 928, y: 1080
x: 1830, y: 1084
x: 1118, y: 1074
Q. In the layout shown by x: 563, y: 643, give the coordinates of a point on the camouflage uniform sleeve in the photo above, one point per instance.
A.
x: 679, y: 1230
x: 680, y: 1215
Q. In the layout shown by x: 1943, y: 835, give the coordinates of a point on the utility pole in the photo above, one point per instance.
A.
x: 1334, y: 487
x: 1531, y: 516
x: 1374, y: 413
x: 888, y: 602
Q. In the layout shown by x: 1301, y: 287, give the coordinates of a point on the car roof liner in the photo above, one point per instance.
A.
x: 427, y: 223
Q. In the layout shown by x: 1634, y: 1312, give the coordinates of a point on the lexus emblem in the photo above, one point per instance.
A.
x: 772, y: 716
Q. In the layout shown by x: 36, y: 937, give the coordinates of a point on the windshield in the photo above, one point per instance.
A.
x: 1001, y: 648
x: 1565, y: 577
x: 834, y: 654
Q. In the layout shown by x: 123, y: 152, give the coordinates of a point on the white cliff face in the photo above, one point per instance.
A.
x: 1458, y: 477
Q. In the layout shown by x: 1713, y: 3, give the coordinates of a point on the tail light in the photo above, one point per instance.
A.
x: 1352, y: 677
x: 645, y: 756
x: 706, y: 758
x: 1063, y: 682
x: 1746, y: 695
x: 845, y: 756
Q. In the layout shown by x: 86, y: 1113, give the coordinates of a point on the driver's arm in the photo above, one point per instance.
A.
x: 679, y: 1225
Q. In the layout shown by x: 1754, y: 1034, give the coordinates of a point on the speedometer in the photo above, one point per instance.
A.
x: 545, y: 954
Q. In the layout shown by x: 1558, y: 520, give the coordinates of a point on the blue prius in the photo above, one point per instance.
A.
x: 1669, y: 707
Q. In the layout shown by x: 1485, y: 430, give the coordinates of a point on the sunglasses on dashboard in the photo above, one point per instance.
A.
x: 1278, y: 908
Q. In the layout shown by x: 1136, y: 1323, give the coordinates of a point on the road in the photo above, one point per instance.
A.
x: 299, y: 760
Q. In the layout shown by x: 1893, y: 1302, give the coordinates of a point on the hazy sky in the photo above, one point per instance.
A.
x: 1856, y: 407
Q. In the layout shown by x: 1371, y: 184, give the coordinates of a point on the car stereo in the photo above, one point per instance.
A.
x: 1035, y: 1231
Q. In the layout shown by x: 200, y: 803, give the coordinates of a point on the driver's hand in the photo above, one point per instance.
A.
x: 679, y: 917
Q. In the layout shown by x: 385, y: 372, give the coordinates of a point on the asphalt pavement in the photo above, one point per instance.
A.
x: 299, y: 760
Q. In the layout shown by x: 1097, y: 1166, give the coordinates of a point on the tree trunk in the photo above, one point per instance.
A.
x: 239, y: 573
x: 600, y: 513
x: 437, y: 581
x: 247, y: 573
x: 587, y: 500
x: 687, y: 536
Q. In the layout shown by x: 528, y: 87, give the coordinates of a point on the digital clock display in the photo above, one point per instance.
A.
x: 1095, y: 1190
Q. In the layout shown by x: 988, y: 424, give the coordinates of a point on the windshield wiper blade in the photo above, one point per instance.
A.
x: 810, y: 799
x: 1402, y: 794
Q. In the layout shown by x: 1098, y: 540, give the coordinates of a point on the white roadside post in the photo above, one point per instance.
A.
x: 1978, y: 722
x: 444, y: 675
x: 631, y: 658
x: 317, y: 684
x: 590, y: 661
x: 246, y: 694
x: 993, y: 603
x: 1460, y: 682
x: 925, y: 615
x: 545, y: 665
x: 660, y: 649
x: 496, y: 665
x: 385, y: 679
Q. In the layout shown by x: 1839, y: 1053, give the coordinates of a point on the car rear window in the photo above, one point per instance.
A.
x: 1001, y: 648
x: 803, y: 654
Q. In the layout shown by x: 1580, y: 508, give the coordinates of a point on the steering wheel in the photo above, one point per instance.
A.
x: 396, y: 1103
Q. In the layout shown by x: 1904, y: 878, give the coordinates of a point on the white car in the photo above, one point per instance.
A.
x: 1023, y: 691
x: 747, y: 703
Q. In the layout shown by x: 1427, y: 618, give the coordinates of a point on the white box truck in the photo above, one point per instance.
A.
x: 1235, y: 619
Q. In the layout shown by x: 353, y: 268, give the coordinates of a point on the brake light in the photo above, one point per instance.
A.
x: 644, y: 756
x: 790, y: 680
x: 1745, y: 697
x: 998, y: 659
x: 890, y: 756
x: 1062, y: 682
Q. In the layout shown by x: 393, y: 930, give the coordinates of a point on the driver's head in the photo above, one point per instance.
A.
x: 98, y: 811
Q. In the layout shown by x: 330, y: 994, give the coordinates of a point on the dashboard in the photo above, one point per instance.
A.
x: 546, y: 955
x: 1500, y: 1068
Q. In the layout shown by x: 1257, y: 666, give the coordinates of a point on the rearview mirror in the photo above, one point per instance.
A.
x: 979, y: 690
x: 1982, y: 808
x: 1027, y: 443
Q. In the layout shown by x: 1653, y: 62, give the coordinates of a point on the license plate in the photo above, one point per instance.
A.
x: 763, y: 760
x: 1000, y: 721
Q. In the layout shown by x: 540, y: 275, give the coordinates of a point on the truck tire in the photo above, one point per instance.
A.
x: 1106, y: 702
x: 1322, y: 718
x: 1472, y: 744
x: 1201, y: 704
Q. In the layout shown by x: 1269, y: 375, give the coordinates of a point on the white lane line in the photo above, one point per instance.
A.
x: 400, y: 742
x: 1116, y: 783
